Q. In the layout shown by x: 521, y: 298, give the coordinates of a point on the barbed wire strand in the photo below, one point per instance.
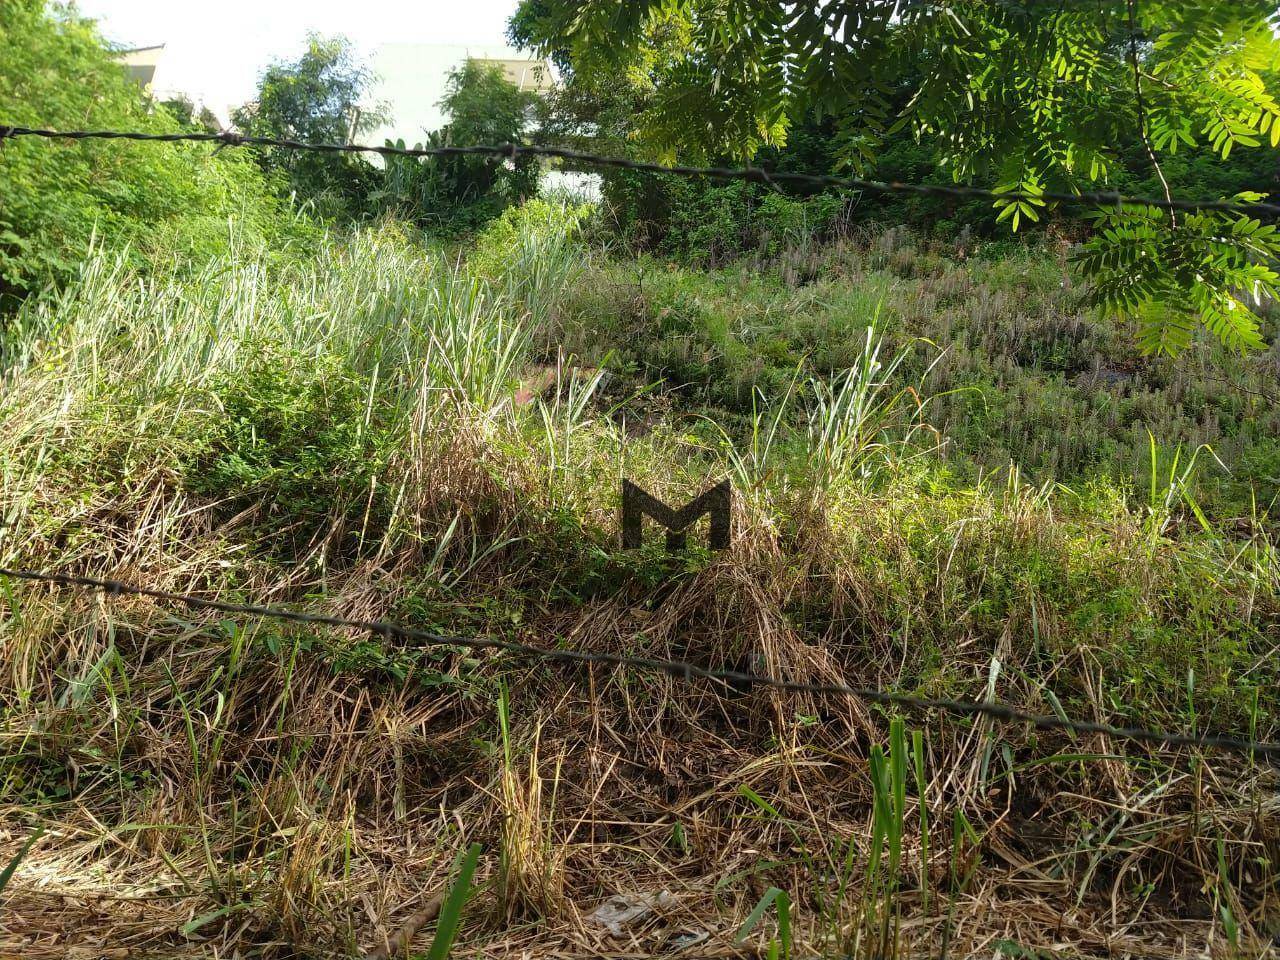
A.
x: 512, y: 151
x: 678, y: 669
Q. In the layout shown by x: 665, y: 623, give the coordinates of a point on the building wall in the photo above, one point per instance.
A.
x: 142, y: 64
x: 532, y: 75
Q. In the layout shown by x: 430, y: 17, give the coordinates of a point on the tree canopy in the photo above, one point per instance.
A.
x: 317, y: 98
x: 58, y: 198
x: 1025, y: 96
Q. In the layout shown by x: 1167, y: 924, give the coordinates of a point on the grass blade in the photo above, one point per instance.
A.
x: 7, y: 873
x: 454, y: 903
x: 770, y: 895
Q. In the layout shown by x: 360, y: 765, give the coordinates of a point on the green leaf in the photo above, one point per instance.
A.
x: 770, y: 895
x: 191, y: 926
x: 7, y: 873
x: 454, y: 904
x: 759, y: 801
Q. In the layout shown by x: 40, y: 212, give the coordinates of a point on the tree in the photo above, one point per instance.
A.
x: 318, y: 98
x: 185, y: 112
x: 485, y: 107
x: 459, y: 193
x: 58, y: 197
x: 1031, y: 96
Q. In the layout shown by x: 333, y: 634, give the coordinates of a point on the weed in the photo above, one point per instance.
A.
x: 351, y: 429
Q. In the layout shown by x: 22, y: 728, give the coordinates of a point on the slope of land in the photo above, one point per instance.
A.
x: 374, y: 429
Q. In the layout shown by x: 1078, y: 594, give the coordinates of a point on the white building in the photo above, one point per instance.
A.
x: 142, y: 64
x: 151, y: 70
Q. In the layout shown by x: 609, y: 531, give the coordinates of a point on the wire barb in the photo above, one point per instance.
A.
x: 807, y: 180
x: 680, y: 670
x: 228, y: 138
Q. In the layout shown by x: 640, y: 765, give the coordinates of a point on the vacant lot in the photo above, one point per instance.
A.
x: 951, y: 481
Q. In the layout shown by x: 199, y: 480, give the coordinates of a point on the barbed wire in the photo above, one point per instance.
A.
x: 513, y: 151
x: 679, y: 669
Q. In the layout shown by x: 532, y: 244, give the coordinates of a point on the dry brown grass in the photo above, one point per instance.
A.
x: 291, y: 810
x: 237, y: 790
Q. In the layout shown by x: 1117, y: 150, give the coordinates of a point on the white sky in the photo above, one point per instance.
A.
x: 215, y: 51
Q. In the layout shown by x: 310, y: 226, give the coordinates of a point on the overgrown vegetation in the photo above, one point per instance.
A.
x: 1032, y: 99
x: 57, y: 197
x: 364, y: 427
x: 1016, y: 368
x: 953, y: 478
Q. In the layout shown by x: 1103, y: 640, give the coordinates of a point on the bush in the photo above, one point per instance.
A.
x: 541, y: 216
x: 295, y: 437
x: 55, y: 71
x: 455, y: 196
x: 530, y: 223
x: 710, y: 224
x: 785, y: 222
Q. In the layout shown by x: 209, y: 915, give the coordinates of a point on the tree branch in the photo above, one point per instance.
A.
x: 1142, y: 107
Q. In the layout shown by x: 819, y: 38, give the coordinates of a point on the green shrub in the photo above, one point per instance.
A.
x: 297, y: 436
x: 711, y: 224
x: 56, y: 72
x: 784, y: 222
x: 457, y: 195
x: 532, y: 223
